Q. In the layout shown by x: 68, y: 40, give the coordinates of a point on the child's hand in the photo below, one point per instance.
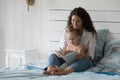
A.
x: 68, y: 51
x: 81, y: 53
x: 60, y: 52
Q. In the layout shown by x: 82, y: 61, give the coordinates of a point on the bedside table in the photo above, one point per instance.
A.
x: 20, y: 57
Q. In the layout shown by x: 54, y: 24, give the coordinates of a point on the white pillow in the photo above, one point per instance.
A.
x: 102, y: 35
x: 111, y: 46
x: 112, y: 60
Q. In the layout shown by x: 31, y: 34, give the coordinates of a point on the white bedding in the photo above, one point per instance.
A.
x: 26, y: 73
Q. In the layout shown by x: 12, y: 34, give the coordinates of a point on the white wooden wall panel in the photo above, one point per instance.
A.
x: 57, y: 25
x: 113, y: 27
x: 2, y: 35
x: 108, y: 16
x: 22, y: 27
x: 9, y: 24
x: 87, y: 4
x: 53, y: 46
x: 18, y: 25
x: 59, y: 14
x: 96, y: 15
x: 28, y: 31
x: 37, y: 25
x: 55, y: 36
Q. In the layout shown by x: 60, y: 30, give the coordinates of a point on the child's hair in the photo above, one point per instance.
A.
x: 76, y: 31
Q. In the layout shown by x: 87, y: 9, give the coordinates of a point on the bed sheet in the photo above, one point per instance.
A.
x: 31, y: 72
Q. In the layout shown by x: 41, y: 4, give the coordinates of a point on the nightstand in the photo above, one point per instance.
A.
x: 20, y: 57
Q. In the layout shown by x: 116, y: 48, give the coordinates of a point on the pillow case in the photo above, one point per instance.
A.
x: 112, y: 61
x: 101, y: 39
x: 111, y: 46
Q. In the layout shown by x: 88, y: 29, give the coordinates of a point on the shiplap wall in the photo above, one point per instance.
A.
x: 105, y: 14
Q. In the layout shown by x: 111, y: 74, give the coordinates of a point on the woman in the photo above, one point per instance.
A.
x: 80, y: 20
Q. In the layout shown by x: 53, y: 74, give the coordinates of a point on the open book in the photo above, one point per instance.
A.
x: 70, y: 57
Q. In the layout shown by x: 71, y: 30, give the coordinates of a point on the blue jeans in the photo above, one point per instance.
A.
x: 81, y: 64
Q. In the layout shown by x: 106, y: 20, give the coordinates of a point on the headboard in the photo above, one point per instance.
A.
x: 105, y: 14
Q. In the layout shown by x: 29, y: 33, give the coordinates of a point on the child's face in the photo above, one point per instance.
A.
x: 73, y: 38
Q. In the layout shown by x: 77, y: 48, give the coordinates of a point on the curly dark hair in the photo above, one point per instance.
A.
x: 83, y: 14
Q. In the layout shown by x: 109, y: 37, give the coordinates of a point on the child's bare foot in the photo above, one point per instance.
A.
x: 58, y: 69
x: 62, y: 72
x: 46, y: 72
x: 51, y: 68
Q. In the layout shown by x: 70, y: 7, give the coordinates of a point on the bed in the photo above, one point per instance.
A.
x: 108, y: 68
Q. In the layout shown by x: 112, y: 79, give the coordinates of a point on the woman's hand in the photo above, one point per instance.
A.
x: 78, y: 56
x: 81, y: 52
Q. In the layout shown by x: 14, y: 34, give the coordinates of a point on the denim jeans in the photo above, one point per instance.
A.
x: 81, y: 64
x: 53, y: 60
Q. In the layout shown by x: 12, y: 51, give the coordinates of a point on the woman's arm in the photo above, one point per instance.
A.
x: 81, y: 52
x: 91, y: 47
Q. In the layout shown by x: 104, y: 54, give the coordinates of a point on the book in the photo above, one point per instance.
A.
x: 70, y: 57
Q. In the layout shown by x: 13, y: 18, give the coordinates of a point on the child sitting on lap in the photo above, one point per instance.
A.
x: 70, y: 53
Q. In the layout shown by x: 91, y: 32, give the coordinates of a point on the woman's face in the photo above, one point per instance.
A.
x: 76, y: 22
